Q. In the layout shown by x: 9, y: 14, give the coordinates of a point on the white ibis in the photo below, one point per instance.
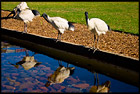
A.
x: 25, y: 15
x: 22, y: 6
x: 96, y: 26
x: 22, y: 12
x: 59, y: 24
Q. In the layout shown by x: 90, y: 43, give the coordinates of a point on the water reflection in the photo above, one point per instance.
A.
x: 60, y: 74
x: 103, y: 88
x: 27, y: 62
x: 5, y: 46
x: 51, y: 75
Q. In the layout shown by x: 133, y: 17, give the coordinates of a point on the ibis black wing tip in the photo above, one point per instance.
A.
x: 109, y: 28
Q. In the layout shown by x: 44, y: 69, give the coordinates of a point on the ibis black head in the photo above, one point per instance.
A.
x: 45, y: 16
x: 86, y: 13
x: 86, y: 16
x: 16, y: 11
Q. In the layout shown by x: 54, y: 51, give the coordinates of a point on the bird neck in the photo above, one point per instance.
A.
x: 16, y: 13
x: 87, y: 20
x: 47, y: 18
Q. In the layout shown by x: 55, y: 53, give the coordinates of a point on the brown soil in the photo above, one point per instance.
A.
x: 116, y: 42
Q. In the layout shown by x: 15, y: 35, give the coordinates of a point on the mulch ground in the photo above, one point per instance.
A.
x: 116, y: 42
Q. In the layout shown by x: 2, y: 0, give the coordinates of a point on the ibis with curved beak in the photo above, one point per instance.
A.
x: 59, y: 24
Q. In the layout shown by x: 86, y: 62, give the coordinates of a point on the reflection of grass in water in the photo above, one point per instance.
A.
x: 119, y: 15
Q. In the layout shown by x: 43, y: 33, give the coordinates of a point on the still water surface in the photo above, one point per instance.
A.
x: 23, y: 70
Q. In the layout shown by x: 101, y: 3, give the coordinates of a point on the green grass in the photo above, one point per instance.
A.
x: 122, y: 16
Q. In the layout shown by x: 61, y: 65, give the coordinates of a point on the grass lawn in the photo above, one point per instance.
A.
x: 122, y: 16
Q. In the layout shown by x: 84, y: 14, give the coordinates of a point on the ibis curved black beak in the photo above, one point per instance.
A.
x: 45, y: 16
x: 12, y: 12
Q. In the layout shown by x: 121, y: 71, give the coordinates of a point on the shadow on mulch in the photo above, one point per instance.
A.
x: 125, y: 32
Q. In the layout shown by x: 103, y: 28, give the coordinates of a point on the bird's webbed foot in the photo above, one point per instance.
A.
x: 23, y: 32
x: 57, y: 40
x: 91, y: 48
x: 95, y: 50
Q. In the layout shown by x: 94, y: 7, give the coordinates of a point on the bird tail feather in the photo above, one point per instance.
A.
x: 36, y: 13
x: 109, y: 28
x: 71, y: 26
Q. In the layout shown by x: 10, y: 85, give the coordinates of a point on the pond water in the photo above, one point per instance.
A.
x: 23, y: 70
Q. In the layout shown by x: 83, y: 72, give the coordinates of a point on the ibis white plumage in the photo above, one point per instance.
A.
x: 22, y: 6
x: 96, y: 26
x: 24, y: 13
x: 59, y: 24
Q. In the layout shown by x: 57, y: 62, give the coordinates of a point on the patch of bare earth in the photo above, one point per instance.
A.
x: 116, y: 42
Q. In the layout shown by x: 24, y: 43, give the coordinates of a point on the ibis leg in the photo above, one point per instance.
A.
x: 26, y: 51
x: 58, y: 37
x: 97, y: 80
x: 94, y: 79
x: 68, y: 65
x: 25, y: 28
x: 94, y: 38
x: 60, y: 63
x: 94, y: 43
x: 97, y: 41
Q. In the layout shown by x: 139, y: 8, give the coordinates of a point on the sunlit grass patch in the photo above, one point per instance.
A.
x: 122, y: 16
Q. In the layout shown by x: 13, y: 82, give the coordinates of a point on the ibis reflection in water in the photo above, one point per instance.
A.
x: 5, y: 46
x: 103, y: 88
x: 27, y: 62
x: 60, y: 74
x: 82, y: 80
